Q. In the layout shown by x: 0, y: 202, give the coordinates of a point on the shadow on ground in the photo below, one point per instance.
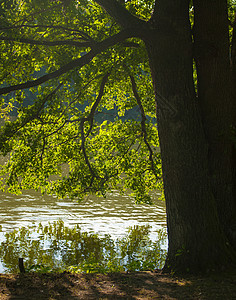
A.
x: 135, y: 285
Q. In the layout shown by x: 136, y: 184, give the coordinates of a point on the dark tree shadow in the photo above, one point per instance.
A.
x: 135, y: 285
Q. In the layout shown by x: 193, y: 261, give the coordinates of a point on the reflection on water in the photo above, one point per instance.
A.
x: 113, y: 215
x: 55, y: 247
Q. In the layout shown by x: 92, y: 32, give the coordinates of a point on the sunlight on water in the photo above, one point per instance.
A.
x: 113, y: 215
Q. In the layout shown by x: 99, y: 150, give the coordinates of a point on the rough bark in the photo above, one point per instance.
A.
x: 233, y: 70
x: 196, y: 241
x: 216, y: 98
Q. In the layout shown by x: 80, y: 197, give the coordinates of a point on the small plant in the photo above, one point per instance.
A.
x: 39, y: 269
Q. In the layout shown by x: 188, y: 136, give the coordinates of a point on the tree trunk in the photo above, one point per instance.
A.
x: 233, y: 70
x: 216, y: 97
x: 196, y: 241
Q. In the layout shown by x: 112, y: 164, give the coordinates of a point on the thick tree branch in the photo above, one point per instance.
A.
x: 47, y: 43
x: 80, y: 62
x: 76, y: 63
x: 121, y: 15
x: 143, y: 125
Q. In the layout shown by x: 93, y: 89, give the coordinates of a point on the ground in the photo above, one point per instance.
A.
x: 133, y: 286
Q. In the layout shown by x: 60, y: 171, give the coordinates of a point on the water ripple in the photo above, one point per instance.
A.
x: 112, y: 215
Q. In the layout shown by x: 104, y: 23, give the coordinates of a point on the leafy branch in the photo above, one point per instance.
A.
x: 76, y: 63
x: 41, y: 11
x: 83, y: 34
x: 143, y: 125
x: 90, y: 119
x: 17, y: 125
x: 48, y: 43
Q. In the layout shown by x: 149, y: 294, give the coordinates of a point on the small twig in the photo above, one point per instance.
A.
x: 83, y: 138
x: 33, y: 116
x: 42, y: 152
x: 75, y: 100
x: 84, y: 35
x: 38, y: 12
x: 47, y: 43
x: 49, y: 96
x: 57, y: 130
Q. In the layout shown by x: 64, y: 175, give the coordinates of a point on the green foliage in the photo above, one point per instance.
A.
x: 142, y: 9
x: 55, y: 247
x: 58, y: 132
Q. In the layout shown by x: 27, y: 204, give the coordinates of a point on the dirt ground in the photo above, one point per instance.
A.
x: 135, y: 285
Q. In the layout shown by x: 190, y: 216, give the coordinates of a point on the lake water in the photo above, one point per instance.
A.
x: 113, y: 215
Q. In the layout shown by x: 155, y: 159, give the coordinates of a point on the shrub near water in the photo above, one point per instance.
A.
x: 55, y: 247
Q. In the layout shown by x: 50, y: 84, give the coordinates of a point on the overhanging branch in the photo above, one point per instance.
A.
x: 76, y: 63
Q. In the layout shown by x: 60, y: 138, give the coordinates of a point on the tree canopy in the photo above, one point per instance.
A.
x: 80, y: 64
